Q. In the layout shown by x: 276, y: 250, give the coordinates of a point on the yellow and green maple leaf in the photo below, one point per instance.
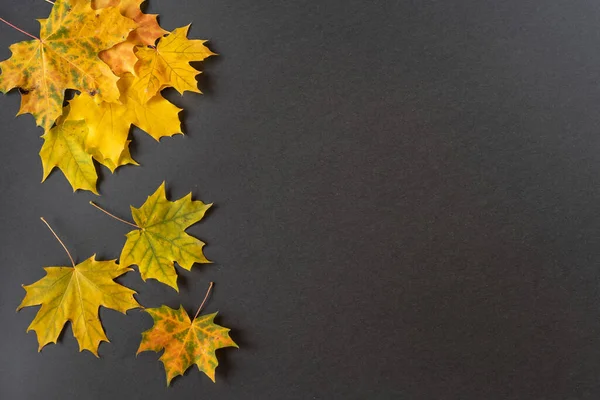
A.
x: 64, y: 147
x: 161, y: 239
x: 185, y: 342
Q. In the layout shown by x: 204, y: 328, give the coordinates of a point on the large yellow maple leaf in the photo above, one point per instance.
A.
x: 168, y: 64
x: 65, y: 56
x: 185, y: 342
x: 109, y: 123
x: 75, y: 294
x: 161, y: 239
x: 64, y: 147
x: 121, y: 57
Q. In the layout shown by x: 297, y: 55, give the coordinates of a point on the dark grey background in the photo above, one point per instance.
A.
x: 407, y: 206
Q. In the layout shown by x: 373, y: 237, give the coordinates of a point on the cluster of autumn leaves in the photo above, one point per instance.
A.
x: 118, y: 60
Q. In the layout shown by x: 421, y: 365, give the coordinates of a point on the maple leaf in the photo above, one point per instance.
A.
x: 121, y: 57
x: 169, y: 64
x: 75, y: 294
x: 109, y: 123
x: 161, y: 239
x: 65, y: 56
x: 185, y: 342
x: 64, y: 147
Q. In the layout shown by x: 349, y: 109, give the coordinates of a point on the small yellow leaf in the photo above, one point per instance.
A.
x: 161, y: 239
x: 75, y: 294
x: 185, y: 342
x: 65, y: 57
x: 169, y: 64
x: 109, y: 123
x: 64, y: 147
x: 158, y: 117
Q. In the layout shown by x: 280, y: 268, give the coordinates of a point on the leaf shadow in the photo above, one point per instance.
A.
x: 101, y: 172
x: 102, y: 255
x: 133, y: 137
x: 206, y: 64
x: 182, y: 280
x: 205, y: 81
x: 208, y: 212
x: 168, y: 191
x: 61, y: 335
x: 183, y: 117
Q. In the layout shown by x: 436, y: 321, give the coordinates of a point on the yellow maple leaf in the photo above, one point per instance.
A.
x: 65, y: 56
x: 108, y: 129
x: 64, y: 147
x: 109, y: 123
x: 185, y: 342
x: 75, y: 294
x: 161, y: 239
x: 121, y: 57
x: 168, y: 64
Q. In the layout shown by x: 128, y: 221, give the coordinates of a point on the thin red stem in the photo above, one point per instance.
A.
x: 19, y: 29
x: 204, y: 301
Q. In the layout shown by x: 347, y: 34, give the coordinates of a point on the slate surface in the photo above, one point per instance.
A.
x: 407, y: 206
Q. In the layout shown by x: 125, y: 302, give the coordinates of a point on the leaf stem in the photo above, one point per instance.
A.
x: 48, y: 1
x: 59, y: 241
x: 114, y: 216
x: 19, y: 29
x: 204, y: 301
